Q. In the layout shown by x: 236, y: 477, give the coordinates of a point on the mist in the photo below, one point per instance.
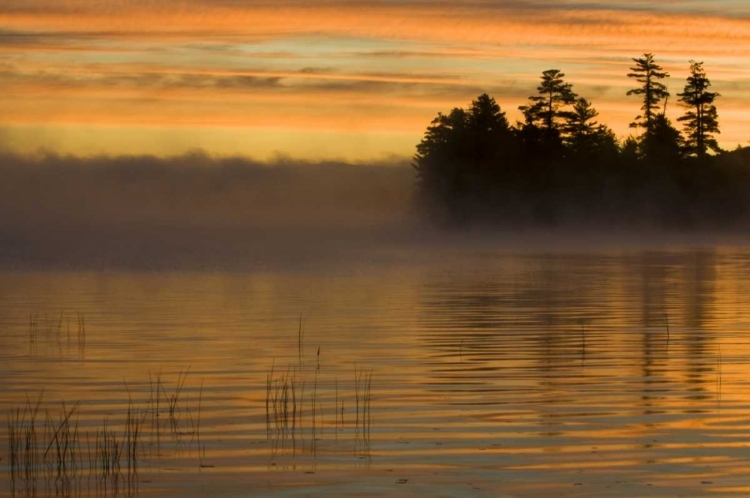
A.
x: 146, y: 211
x: 196, y: 211
x: 199, y: 191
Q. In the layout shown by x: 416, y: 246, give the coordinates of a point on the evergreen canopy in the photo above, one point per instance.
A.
x: 560, y: 163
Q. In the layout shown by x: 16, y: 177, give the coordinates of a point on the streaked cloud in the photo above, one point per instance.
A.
x: 374, y: 68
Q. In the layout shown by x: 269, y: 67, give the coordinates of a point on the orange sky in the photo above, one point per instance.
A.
x: 356, y: 80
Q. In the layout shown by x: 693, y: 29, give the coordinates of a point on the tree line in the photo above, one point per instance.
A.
x: 559, y: 164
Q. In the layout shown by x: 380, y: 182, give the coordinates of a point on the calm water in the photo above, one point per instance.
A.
x: 474, y: 373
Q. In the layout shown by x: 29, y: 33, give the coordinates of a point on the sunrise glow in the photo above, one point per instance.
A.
x: 357, y: 80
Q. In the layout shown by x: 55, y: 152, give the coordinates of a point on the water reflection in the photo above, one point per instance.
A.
x: 119, y: 485
x: 52, y: 336
x: 533, y: 365
x: 643, y: 326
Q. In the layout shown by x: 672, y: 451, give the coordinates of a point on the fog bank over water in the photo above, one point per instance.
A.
x: 193, y: 210
x: 196, y: 190
x: 196, y: 211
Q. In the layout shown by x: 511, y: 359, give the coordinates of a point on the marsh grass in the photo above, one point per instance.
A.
x: 300, y: 339
x: 201, y: 447
x: 134, y: 423
x: 335, y: 409
x: 173, y: 402
x: 107, y: 451
x: 719, y: 380
x: 313, y: 411
x: 179, y: 413
x: 363, y: 417
x: 299, y: 408
x: 269, y: 399
x: 63, y: 450
x: 53, y: 450
x: 281, y: 408
x: 81, y: 330
x: 33, y: 332
x: 23, y: 441
x: 154, y: 382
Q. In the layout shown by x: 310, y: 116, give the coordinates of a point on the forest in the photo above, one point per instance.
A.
x: 560, y: 166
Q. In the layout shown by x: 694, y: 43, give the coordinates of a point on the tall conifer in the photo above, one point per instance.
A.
x: 647, y: 73
x: 701, y: 120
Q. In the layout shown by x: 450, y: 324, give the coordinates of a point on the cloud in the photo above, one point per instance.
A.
x: 335, y: 65
x: 409, y: 20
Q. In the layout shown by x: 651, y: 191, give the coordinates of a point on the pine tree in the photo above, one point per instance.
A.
x: 701, y: 119
x: 462, y: 153
x: 554, y: 94
x: 579, y: 128
x: 662, y: 145
x: 439, y: 155
x: 647, y: 73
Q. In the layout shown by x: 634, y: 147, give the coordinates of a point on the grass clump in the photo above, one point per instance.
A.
x: 23, y: 441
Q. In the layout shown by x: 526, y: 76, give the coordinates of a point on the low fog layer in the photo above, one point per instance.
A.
x: 194, y: 211
x: 199, y: 191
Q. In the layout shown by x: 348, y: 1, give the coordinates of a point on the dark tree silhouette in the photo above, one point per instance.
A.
x: 462, y: 154
x: 630, y: 150
x: 544, y: 109
x: 647, y: 73
x: 560, y: 165
x: 579, y: 128
x: 701, y: 120
x: 491, y: 141
x: 663, y: 142
x: 439, y: 155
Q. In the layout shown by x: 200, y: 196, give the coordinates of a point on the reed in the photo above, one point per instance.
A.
x: 718, y: 374
x: 63, y: 442
x: 313, y: 404
x: 55, y: 446
x: 301, y: 426
x: 33, y: 331
x: 281, y: 404
x: 357, y: 378
x: 342, y: 413
x: 107, y: 452
x: 81, y: 329
x: 132, y: 435
x: 287, y: 395
x: 335, y: 410
x: 300, y: 339
x: 269, y: 384
x: 201, y: 447
x: 173, y: 402
x: 283, y: 409
x: 23, y: 440
x: 154, y: 381
x: 363, y: 419
x: 59, y: 326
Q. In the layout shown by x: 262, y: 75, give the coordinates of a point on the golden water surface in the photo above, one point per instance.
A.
x: 476, y: 373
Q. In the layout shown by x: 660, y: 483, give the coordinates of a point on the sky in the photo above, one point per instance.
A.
x: 354, y: 80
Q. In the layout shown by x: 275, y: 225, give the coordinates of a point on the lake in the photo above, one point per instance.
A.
x: 462, y: 371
